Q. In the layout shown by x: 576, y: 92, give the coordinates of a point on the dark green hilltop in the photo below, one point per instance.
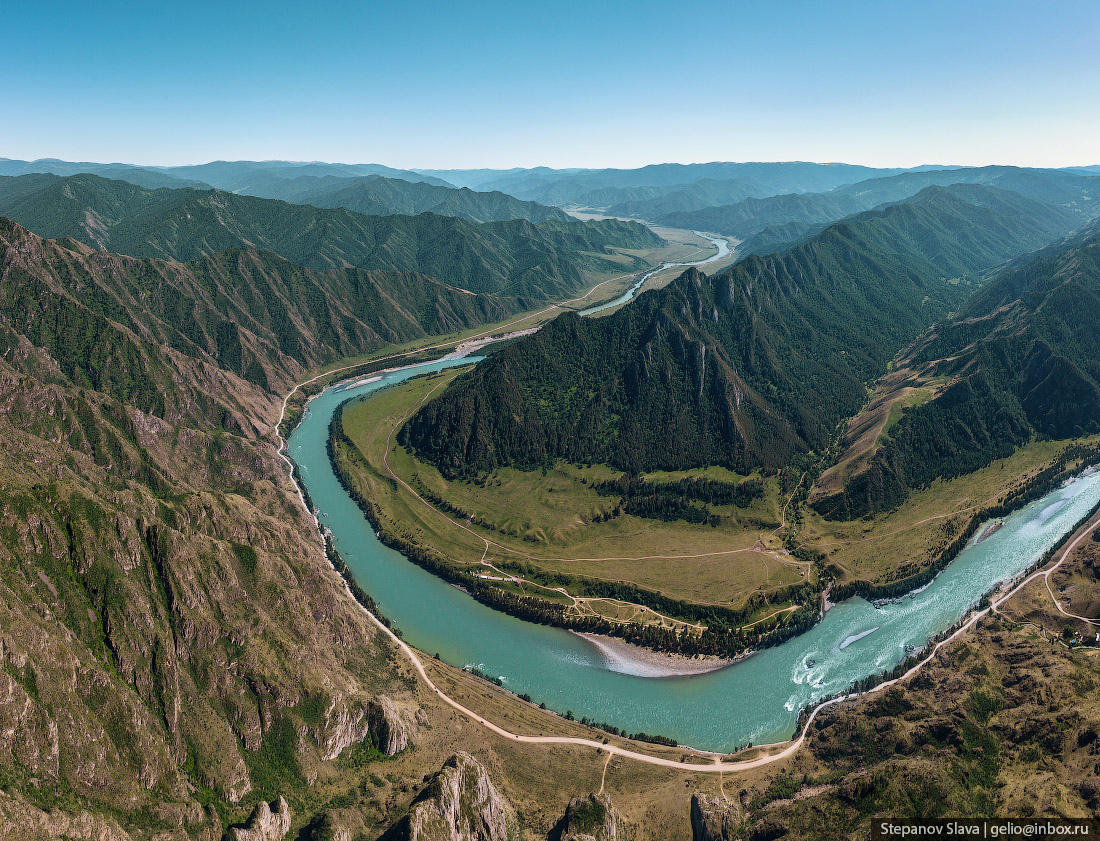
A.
x: 744, y: 369
x: 514, y: 257
x: 380, y: 196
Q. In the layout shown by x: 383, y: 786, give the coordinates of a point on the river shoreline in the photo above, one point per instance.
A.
x: 764, y: 689
x: 628, y: 659
x: 752, y: 702
x: 721, y: 243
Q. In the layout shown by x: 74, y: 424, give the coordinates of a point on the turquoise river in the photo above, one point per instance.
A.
x: 756, y: 700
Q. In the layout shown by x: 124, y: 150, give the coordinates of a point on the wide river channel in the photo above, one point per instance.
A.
x: 756, y: 700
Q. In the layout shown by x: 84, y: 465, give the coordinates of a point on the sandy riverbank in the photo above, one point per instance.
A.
x: 472, y: 345
x: 634, y: 660
x: 364, y: 381
x: 989, y: 531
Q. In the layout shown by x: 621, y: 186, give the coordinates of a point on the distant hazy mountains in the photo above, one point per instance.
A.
x: 232, y: 175
x: 745, y: 368
x: 141, y: 176
x: 225, y: 175
x: 363, y: 188
x: 724, y: 182
x: 769, y: 223
x: 770, y: 204
x: 514, y: 258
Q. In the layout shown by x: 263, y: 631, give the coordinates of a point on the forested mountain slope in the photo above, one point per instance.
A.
x: 513, y: 258
x: 250, y: 312
x: 379, y: 196
x: 741, y: 369
x: 1021, y: 358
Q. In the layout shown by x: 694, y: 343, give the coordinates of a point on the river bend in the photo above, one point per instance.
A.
x: 756, y: 700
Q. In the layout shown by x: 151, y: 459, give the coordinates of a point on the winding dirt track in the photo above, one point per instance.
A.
x: 716, y: 764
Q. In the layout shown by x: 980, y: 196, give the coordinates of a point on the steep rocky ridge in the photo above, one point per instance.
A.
x: 459, y: 804
x: 712, y: 819
x: 171, y: 633
x: 264, y: 824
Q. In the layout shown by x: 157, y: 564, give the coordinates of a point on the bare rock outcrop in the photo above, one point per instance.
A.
x: 591, y: 818
x: 459, y: 804
x: 327, y: 827
x: 712, y: 819
x: 389, y: 724
x: 265, y: 824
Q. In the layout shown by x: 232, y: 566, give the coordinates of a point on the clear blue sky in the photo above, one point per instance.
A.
x: 471, y: 84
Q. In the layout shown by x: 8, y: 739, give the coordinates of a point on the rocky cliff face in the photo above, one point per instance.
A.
x: 265, y: 823
x: 459, y: 804
x: 388, y: 724
x: 712, y: 819
x: 591, y: 818
x: 168, y: 618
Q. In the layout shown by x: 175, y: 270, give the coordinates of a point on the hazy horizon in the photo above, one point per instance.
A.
x: 502, y: 168
x: 494, y: 85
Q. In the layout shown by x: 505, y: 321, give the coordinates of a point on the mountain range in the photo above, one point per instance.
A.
x: 380, y: 196
x: 767, y: 224
x: 232, y: 175
x: 162, y: 582
x: 142, y: 176
x: 176, y: 648
x: 1020, y: 359
x: 512, y: 258
x: 742, y: 369
x: 604, y: 187
x: 109, y: 320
